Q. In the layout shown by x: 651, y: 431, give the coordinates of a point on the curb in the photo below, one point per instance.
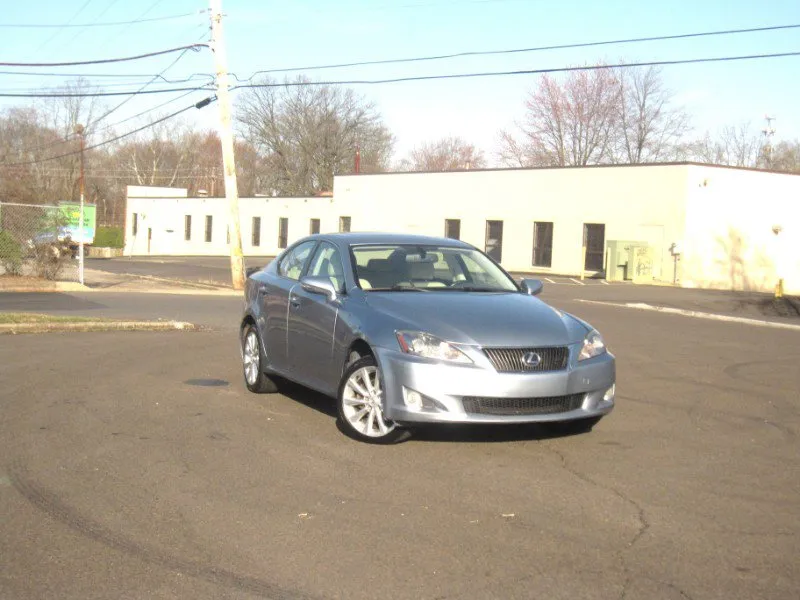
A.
x: 180, y: 282
x: 695, y: 314
x: 86, y: 326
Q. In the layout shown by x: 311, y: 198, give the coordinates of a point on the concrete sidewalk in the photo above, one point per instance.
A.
x: 95, y: 280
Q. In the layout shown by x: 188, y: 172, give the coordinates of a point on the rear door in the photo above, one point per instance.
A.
x: 274, y: 296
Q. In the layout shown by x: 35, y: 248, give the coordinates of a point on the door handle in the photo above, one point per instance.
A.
x: 294, y: 302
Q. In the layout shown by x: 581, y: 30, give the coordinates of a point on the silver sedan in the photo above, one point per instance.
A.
x: 405, y: 329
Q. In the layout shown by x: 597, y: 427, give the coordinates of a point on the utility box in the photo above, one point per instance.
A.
x: 624, y: 259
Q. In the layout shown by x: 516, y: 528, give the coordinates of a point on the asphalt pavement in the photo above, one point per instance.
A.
x: 137, y: 465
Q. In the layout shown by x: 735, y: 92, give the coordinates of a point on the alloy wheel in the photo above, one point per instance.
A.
x: 362, y: 403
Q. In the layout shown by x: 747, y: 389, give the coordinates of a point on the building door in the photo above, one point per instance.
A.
x: 594, y: 240
x: 494, y: 240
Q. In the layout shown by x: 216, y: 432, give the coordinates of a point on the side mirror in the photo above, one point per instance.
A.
x: 320, y: 285
x: 532, y: 287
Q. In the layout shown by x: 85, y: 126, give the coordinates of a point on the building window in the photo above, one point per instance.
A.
x: 228, y: 235
x: 344, y: 224
x: 594, y: 240
x: 543, y: 244
x: 135, y: 224
x: 314, y: 227
x: 283, y: 232
x: 452, y: 228
x: 256, y: 231
x: 187, y: 227
x: 209, y: 224
x: 494, y: 240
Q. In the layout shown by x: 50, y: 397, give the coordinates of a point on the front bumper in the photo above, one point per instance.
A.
x: 443, y: 385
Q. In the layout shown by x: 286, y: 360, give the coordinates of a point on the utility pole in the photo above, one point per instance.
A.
x: 80, y: 131
x: 226, y: 139
x: 768, y: 132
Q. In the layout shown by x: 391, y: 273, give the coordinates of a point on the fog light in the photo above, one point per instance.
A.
x: 610, y: 392
x: 412, y: 399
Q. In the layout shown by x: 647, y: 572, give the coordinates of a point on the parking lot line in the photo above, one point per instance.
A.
x: 576, y: 281
x: 695, y: 314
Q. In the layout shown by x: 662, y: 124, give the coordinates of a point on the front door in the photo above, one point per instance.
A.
x: 312, y: 320
x: 275, y: 297
x: 594, y: 240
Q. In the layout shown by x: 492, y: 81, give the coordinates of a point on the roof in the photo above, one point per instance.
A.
x: 357, y: 238
x: 575, y: 167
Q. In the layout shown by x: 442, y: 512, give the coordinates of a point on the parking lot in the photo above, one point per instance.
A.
x: 137, y: 465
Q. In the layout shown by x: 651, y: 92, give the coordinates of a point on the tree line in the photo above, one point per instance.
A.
x: 292, y: 140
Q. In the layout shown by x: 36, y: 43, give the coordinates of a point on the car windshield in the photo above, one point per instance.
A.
x: 407, y: 267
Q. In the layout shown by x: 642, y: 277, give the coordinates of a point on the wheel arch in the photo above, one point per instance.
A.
x: 359, y: 346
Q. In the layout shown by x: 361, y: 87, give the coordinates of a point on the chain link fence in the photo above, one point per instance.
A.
x: 35, y: 242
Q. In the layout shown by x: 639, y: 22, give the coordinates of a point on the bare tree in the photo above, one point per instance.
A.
x: 566, y: 124
x: 599, y: 116
x: 649, y: 128
x: 784, y: 156
x: 446, y: 154
x: 738, y: 146
x: 306, y: 133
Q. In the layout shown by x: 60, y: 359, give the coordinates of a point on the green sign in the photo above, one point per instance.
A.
x: 71, y: 213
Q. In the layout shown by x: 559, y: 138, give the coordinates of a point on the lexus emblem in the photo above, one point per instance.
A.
x: 531, y: 359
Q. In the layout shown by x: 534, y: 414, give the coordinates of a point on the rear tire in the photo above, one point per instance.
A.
x: 253, y: 360
x: 573, y: 427
x: 360, y: 403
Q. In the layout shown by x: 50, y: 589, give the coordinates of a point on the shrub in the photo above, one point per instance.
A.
x: 109, y: 237
x: 10, y: 254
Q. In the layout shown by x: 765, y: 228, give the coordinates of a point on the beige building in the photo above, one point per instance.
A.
x: 699, y: 225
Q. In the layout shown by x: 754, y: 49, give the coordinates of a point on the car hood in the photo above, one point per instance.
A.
x: 483, y: 319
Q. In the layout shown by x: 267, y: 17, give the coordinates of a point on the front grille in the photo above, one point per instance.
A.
x: 476, y: 405
x: 509, y: 360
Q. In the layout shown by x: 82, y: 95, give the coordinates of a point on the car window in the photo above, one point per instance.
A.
x: 409, y: 267
x: 292, y: 263
x: 327, y: 262
x: 475, y: 272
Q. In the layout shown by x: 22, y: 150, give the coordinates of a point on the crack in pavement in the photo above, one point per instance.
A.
x: 49, y: 503
x: 644, y: 524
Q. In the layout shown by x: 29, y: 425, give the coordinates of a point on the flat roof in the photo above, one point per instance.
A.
x: 558, y: 168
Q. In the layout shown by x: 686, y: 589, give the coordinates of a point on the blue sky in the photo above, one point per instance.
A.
x: 265, y: 34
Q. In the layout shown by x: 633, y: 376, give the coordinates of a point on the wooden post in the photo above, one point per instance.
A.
x: 226, y: 140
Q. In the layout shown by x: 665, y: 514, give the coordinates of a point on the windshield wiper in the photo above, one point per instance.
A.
x: 398, y: 288
x: 471, y: 288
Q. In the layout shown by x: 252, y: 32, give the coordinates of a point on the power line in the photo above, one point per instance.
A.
x: 195, y: 47
x: 117, y: 75
x: 55, y: 33
x: 104, y: 24
x: 141, y: 89
x: 657, y: 63
x: 128, y: 85
x: 203, y: 103
x: 100, y: 94
x: 73, y: 136
x: 523, y: 50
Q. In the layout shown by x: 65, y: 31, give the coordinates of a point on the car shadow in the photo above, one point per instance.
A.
x: 306, y: 396
x: 438, y: 433
x: 447, y: 432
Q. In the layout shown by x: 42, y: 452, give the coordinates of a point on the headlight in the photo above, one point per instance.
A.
x: 593, y: 345
x: 428, y: 346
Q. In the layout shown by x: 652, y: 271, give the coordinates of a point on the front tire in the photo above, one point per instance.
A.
x: 253, y: 364
x: 360, y: 405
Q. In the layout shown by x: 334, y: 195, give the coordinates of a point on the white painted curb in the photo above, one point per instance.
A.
x: 696, y: 314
